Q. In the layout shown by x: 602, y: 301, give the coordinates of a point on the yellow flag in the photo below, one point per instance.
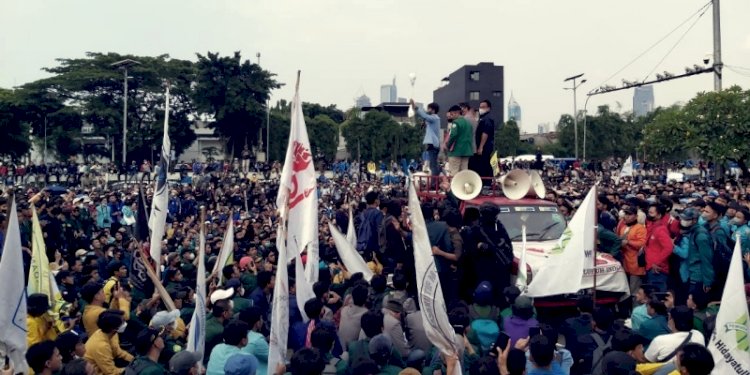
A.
x: 40, y: 279
x: 493, y: 163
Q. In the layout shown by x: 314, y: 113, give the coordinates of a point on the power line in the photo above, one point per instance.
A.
x: 702, y: 9
x: 676, y: 43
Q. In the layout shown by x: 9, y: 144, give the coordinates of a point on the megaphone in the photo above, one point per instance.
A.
x: 515, y: 184
x: 466, y: 185
x: 537, y: 184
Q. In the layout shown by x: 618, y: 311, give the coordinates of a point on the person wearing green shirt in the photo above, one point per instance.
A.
x: 458, y: 145
x: 149, y: 343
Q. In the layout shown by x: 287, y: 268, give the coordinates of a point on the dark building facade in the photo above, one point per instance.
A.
x: 472, y: 84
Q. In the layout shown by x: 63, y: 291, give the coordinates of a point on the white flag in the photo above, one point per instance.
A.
x: 226, y: 252
x: 279, y: 309
x: 435, y: 317
x: 349, y: 256
x: 729, y: 344
x: 13, y: 295
x: 303, y: 288
x: 196, y: 341
x: 522, y: 277
x: 627, y: 169
x: 159, y: 207
x: 351, y: 233
x: 297, y: 192
x: 566, y: 260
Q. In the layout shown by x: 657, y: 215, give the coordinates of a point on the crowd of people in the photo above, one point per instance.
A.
x: 674, y: 240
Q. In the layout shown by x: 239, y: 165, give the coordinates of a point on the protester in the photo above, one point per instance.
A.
x: 110, y: 318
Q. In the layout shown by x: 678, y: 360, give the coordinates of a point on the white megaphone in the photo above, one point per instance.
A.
x: 515, y: 184
x: 537, y: 184
x: 466, y: 185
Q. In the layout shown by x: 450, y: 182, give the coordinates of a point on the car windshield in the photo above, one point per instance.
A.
x: 543, y: 223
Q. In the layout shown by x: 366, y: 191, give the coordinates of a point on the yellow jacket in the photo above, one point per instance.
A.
x: 91, y: 314
x: 39, y: 329
x: 101, y: 351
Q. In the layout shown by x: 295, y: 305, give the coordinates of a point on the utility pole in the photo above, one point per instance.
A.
x: 718, y: 65
x: 575, y: 106
x: 124, y: 65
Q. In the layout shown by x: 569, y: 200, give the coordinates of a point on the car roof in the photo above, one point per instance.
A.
x: 504, y: 201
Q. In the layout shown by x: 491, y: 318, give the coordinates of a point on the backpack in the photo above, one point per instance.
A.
x: 601, y: 350
x: 136, y: 367
x: 382, y: 235
x: 722, y: 250
x: 367, y: 232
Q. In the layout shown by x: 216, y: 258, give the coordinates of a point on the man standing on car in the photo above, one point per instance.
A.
x: 485, y: 141
x: 431, y: 139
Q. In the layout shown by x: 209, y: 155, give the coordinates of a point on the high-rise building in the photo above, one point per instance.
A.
x: 363, y: 101
x: 643, y: 100
x: 388, y: 93
x: 514, y: 110
x: 472, y: 84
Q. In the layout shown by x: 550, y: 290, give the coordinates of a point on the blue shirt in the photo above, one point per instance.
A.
x: 219, y: 356
x: 257, y: 346
x: 562, y: 363
x: 432, y: 130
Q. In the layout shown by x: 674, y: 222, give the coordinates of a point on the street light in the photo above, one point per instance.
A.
x: 124, y: 65
x: 575, y: 106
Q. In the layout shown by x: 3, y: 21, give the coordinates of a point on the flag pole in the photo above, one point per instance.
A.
x: 596, y: 234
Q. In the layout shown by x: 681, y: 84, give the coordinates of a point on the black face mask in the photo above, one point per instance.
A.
x: 684, y: 228
x: 652, y: 218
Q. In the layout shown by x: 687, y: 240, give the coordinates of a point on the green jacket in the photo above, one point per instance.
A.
x: 609, y: 242
x: 700, y: 256
x: 459, y: 140
x: 144, y: 366
x: 241, y: 303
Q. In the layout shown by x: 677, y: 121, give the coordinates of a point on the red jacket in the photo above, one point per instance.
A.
x: 673, y: 225
x: 658, y: 246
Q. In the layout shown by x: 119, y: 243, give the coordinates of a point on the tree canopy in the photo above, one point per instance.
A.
x: 378, y: 136
x: 234, y: 93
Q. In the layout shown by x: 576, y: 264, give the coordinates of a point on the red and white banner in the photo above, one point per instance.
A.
x: 298, y: 193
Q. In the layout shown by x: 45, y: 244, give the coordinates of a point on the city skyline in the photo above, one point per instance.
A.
x: 337, y: 66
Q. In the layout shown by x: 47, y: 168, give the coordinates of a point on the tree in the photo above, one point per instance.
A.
x: 379, y: 137
x: 15, y: 132
x: 234, y: 94
x: 664, y: 134
x: 92, y: 88
x: 507, y: 139
x: 323, y: 134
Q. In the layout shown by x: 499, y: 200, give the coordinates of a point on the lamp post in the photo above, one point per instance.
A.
x: 124, y: 65
x: 575, y: 106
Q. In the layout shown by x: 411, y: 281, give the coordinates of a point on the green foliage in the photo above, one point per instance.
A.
x: 608, y: 134
x: 507, y: 139
x: 89, y: 90
x: 714, y: 125
x: 323, y: 134
x: 234, y: 93
x: 379, y: 137
x: 664, y: 134
x: 15, y: 131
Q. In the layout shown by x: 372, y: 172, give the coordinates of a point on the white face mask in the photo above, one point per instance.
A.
x: 122, y: 327
x: 686, y: 223
x: 482, y: 111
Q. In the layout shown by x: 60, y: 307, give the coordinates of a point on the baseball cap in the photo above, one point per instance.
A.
x: 483, y: 293
x: 690, y: 214
x: 241, y: 364
x: 182, y: 362
x: 380, y: 346
x: 522, y: 302
x: 221, y: 294
x: 164, y: 318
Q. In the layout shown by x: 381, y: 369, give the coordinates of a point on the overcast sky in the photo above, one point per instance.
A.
x: 349, y: 47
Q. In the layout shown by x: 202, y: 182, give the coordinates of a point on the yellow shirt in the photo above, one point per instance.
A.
x: 91, y: 314
x: 39, y: 329
x: 651, y: 368
x: 101, y: 351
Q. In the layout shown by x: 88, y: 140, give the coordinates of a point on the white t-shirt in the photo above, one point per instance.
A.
x: 664, y: 345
